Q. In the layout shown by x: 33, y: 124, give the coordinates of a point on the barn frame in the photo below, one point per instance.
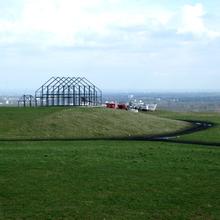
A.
x: 65, y: 91
x: 26, y: 101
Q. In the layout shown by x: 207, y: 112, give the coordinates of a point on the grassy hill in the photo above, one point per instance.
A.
x: 52, y: 123
x: 105, y: 179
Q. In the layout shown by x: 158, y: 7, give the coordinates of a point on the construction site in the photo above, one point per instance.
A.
x: 76, y: 91
x: 64, y: 91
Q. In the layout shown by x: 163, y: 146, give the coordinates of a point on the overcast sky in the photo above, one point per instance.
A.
x: 120, y: 45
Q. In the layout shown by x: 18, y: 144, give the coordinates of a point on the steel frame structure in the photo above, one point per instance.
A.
x: 66, y: 91
x: 26, y: 101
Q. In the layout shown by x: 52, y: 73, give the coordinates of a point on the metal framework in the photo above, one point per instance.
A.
x: 26, y: 101
x: 66, y: 91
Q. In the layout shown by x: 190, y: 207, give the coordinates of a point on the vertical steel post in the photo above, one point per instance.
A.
x: 74, y: 96
x: 35, y: 99
x: 24, y: 100
x: 84, y: 95
x: 47, y: 96
x: 68, y: 99
x: 89, y: 95
x: 63, y: 96
x: 94, y: 95
x: 79, y: 96
x: 52, y: 97
x: 58, y: 96
x: 96, y: 98
x: 42, y: 96
x: 100, y: 97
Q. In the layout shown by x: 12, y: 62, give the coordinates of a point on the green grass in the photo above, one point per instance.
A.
x: 49, y: 123
x: 210, y: 135
x: 108, y: 180
x: 105, y: 179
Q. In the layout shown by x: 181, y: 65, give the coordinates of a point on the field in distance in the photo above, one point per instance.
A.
x: 79, y: 123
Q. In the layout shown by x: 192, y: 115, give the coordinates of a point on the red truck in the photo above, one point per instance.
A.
x: 122, y: 106
x: 116, y: 106
x: 111, y: 105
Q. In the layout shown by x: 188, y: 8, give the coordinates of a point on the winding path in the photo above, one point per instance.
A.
x: 172, y: 137
x: 196, y: 127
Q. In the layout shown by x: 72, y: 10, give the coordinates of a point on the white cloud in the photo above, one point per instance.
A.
x: 68, y: 22
x: 42, y: 36
x: 61, y: 20
x: 97, y: 23
x: 192, y: 21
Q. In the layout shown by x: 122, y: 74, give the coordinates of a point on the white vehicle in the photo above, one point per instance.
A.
x: 140, y: 105
x: 148, y: 107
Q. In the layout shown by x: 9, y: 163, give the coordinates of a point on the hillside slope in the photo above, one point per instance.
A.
x: 54, y: 123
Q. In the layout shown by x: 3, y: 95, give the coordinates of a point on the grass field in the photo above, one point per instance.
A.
x: 210, y: 135
x: 108, y: 179
x: 55, y: 123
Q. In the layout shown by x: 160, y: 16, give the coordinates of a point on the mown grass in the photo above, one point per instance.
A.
x: 210, y: 135
x: 105, y: 179
x: 55, y: 123
x: 108, y: 180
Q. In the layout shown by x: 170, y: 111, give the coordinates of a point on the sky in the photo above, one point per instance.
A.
x: 119, y: 45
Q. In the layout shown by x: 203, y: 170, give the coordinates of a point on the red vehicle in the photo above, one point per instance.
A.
x: 116, y: 106
x: 122, y: 106
x: 111, y: 105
